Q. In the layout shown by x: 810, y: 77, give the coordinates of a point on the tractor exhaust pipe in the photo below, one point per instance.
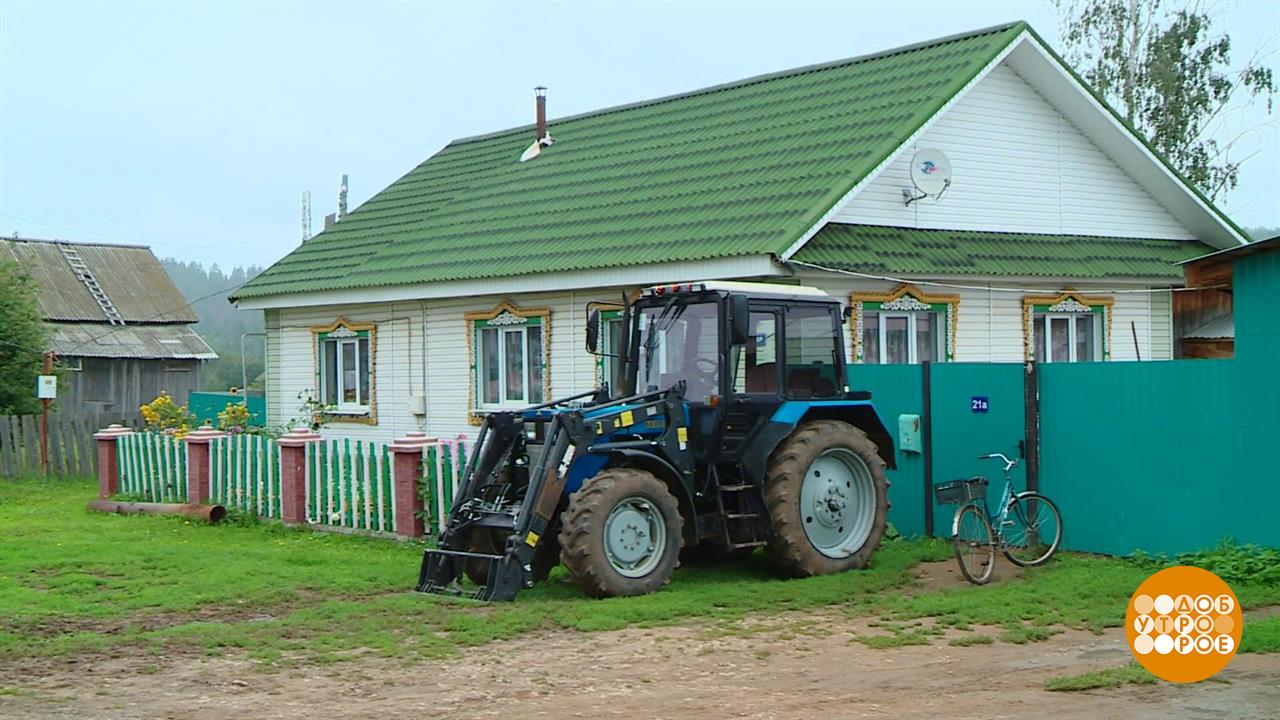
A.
x: 211, y: 514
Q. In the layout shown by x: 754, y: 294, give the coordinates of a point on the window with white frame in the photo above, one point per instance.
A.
x: 1067, y: 327
x: 508, y: 358
x: 345, y: 367
x: 903, y: 326
x: 900, y: 337
x: 1066, y: 337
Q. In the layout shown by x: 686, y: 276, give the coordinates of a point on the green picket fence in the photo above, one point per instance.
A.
x: 244, y: 473
x: 349, y: 485
x: 443, y: 465
x: 152, y: 466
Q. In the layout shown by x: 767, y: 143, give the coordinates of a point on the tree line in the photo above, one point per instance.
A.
x: 221, y: 324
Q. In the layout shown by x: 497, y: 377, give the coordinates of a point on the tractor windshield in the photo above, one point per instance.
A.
x: 679, y: 341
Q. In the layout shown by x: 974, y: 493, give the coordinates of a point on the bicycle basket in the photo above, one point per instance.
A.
x: 960, y: 491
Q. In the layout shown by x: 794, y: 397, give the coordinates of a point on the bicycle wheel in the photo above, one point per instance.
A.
x: 975, y: 548
x: 1032, y: 529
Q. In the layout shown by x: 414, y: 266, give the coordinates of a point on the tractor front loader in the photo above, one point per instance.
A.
x: 732, y: 428
x: 501, y: 532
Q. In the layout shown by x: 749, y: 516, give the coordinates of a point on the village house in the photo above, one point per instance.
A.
x: 462, y: 287
x: 117, y: 323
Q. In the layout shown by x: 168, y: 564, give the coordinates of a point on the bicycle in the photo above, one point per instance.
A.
x: 1028, y: 526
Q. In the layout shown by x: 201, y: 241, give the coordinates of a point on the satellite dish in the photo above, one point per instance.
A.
x: 931, y: 172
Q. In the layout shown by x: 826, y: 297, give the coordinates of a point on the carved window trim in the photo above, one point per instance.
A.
x: 504, y: 315
x: 1068, y: 301
x: 905, y: 297
x: 343, y: 328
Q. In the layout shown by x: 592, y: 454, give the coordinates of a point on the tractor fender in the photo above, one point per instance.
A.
x: 669, y: 476
x: 858, y: 413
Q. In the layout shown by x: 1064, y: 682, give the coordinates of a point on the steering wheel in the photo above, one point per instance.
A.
x: 707, y: 368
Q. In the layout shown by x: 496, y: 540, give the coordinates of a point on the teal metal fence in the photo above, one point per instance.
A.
x: 206, y: 406
x: 1163, y: 457
x: 977, y: 408
x: 896, y: 390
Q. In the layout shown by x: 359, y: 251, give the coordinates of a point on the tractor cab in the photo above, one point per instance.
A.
x: 725, y: 425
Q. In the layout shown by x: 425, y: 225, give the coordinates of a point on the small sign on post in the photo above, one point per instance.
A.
x: 47, y: 387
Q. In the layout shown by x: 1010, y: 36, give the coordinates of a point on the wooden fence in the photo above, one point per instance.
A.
x: 349, y: 485
x: 72, y: 452
x: 244, y: 473
x: 442, y: 467
x: 153, y: 466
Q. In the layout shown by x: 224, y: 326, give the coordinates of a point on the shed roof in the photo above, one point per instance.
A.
x: 167, y: 342
x: 130, y: 275
x: 1219, y: 328
x: 881, y: 249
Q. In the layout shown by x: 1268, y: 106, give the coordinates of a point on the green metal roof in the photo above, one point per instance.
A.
x: 738, y: 169
x: 895, y: 250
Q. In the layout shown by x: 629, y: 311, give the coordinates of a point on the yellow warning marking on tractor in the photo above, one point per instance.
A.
x: 532, y: 539
x: 682, y: 434
x: 628, y: 419
x: 599, y: 428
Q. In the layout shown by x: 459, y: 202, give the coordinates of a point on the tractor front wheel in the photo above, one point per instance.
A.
x: 621, y: 534
x: 827, y: 497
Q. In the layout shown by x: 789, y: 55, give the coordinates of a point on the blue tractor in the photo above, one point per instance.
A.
x: 727, y: 425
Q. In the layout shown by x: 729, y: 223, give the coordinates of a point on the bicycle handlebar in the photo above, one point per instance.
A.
x: 1008, y: 464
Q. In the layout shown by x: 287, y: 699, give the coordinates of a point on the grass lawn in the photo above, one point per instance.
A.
x: 74, y: 582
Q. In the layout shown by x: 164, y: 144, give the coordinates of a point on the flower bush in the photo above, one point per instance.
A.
x: 165, y: 415
x: 234, y: 419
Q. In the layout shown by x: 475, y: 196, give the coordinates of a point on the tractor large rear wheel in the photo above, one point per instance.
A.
x: 828, y: 499
x: 621, y: 534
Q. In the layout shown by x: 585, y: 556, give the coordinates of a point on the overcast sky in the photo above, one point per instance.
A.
x: 194, y: 127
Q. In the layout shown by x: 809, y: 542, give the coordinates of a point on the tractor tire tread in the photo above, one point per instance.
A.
x: 789, y: 551
x: 580, y: 549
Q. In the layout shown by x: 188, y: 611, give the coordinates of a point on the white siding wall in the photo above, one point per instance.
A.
x: 990, y: 321
x: 1018, y: 165
x: 990, y: 330
x: 572, y: 370
x: 398, y: 374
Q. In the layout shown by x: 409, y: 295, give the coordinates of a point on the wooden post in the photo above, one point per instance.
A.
x: 44, y: 418
x: 1031, y: 403
x: 108, y: 452
x: 293, y: 475
x: 198, y: 441
x: 406, y: 473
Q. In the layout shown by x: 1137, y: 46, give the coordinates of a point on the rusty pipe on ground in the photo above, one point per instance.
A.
x: 209, y: 513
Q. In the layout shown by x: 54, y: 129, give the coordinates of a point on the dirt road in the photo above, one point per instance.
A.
x: 791, y: 666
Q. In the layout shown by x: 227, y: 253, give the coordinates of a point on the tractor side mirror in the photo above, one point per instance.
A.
x: 739, y: 320
x: 593, y: 331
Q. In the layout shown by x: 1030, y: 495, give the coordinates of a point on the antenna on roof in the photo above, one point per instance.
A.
x: 930, y: 174
x: 306, y: 215
x: 342, y: 198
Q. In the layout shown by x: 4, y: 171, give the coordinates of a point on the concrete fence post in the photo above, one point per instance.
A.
x: 293, y: 475
x: 406, y: 473
x: 108, y: 459
x: 198, y: 442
